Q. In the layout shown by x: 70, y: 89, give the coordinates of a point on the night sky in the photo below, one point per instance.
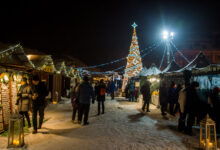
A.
x: 98, y: 32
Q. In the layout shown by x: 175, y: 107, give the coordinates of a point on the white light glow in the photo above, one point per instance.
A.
x: 6, y: 78
x: 171, y: 34
x: 165, y: 36
x: 165, y: 33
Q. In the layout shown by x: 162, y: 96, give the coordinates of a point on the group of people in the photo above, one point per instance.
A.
x: 131, y: 91
x: 186, y: 101
x: 170, y: 97
x: 81, y: 99
x: 32, y: 97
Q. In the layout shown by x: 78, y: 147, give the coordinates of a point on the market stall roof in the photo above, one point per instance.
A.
x: 41, y: 60
x: 143, y: 71
x: 14, y: 57
x: 200, y: 61
x: 210, y: 69
x: 70, y: 71
x: 173, y: 66
x: 153, y: 70
x: 61, y: 67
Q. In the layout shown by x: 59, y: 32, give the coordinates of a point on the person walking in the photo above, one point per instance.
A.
x: 163, y: 98
x: 39, y: 92
x: 131, y: 90
x: 24, y: 100
x: 145, y: 91
x: 171, y: 97
x: 75, y: 101
x: 84, y: 94
x: 112, y: 89
x: 101, y: 90
x: 192, y: 104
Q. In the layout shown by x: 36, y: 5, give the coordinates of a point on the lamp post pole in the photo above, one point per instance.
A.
x: 168, y: 50
x: 168, y: 37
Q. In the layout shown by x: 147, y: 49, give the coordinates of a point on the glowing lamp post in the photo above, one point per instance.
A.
x: 168, y: 36
x: 16, y: 132
x: 208, y: 134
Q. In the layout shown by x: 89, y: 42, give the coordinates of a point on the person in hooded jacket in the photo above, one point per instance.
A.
x: 84, y: 96
x: 24, y: 100
x: 101, y: 90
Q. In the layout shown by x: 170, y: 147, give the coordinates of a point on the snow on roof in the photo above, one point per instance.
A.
x: 153, y: 70
x: 200, y: 61
x: 15, y: 55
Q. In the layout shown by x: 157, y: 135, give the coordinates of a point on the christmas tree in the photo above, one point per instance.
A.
x: 134, y: 63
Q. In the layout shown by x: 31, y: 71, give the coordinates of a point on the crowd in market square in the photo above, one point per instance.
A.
x: 186, y: 101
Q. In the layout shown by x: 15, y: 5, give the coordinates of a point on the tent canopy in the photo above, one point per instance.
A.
x: 153, y: 70
x: 200, y: 61
x: 173, y: 66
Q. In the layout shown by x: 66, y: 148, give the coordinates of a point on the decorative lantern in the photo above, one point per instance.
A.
x: 16, y: 132
x: 55, y: 99
x: 208, y: 134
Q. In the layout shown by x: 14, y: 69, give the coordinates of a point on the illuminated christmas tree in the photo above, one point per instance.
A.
x: 134, y: 63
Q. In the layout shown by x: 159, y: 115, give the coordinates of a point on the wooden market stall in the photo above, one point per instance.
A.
x: 13, y: 65
x: 152, y: 75
x: 61, y: 69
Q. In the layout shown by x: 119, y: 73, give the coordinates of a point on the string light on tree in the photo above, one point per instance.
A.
x: 133, y: 60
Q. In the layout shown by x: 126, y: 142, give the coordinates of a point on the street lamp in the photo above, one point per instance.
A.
x: 168, y: 36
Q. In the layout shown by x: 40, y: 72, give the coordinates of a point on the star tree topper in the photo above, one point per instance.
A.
x: 134, y: 25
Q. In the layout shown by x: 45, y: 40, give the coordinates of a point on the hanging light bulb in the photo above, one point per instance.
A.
x: 6, y: 77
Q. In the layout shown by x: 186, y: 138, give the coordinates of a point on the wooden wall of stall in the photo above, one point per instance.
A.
x: 57, y: 86
x: 8, y: 99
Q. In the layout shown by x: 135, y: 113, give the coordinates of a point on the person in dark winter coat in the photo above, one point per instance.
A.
x: 145, y: 91
x: 192, y: 103
x: 112, y: 89
x: 84, y: 95
x: 131, y: 90
x: 39, y: 92
x: 101, y: 90
x: 24, y: 100
x: 75, y: 101
x: 163, y: 98
x: 171, y: 97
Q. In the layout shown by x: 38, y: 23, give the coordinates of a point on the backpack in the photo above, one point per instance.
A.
x: 102, y: 91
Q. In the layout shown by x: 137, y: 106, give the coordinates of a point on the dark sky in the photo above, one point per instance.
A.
x: 97, y: 32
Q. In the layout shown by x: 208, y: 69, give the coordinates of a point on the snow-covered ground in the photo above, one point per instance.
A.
x: 122, y: 127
